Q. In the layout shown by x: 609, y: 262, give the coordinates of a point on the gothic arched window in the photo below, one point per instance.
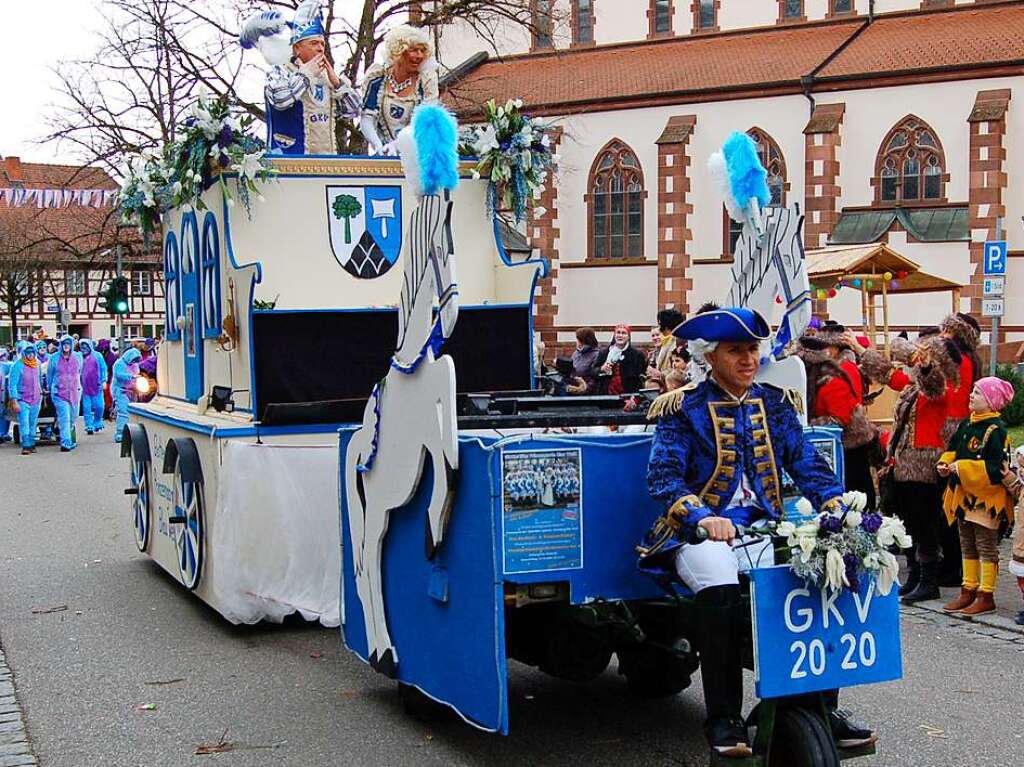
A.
x: 615, y: 204
x: 771, y: 158
x: 911, y: 165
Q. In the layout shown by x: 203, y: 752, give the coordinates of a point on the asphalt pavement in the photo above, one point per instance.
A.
x: 115, y: 664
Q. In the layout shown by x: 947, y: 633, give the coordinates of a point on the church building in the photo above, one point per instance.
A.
x: 888, y: 121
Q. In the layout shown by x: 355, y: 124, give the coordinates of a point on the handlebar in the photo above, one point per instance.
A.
x: 742, y: 531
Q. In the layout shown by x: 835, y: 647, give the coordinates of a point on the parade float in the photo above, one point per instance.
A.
x: 282, y: 277
x: 348, y: 426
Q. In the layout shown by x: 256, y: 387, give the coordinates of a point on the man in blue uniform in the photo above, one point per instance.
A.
x: 715, y: 463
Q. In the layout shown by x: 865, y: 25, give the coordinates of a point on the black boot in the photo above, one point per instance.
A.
x: 913, y: 574
x: 721, y: 669
x: 928, y: 587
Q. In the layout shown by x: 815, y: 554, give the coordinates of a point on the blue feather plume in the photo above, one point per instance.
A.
x: 260, y: 25
x: 747, y: 176
x: 437, y: 136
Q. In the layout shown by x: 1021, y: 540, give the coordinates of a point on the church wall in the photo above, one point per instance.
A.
x: 603, y: 295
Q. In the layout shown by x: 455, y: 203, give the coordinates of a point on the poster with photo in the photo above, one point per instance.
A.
x: 542, y: 510
x: 827, y: 446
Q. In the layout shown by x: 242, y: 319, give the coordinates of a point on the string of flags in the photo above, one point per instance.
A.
x: 57, y: 198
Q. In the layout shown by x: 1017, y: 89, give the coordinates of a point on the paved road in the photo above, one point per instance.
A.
x: 290, y: 695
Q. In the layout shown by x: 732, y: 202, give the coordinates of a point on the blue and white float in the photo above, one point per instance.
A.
x: 314, y: 362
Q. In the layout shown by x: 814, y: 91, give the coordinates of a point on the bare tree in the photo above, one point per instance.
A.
x: 152, y: 56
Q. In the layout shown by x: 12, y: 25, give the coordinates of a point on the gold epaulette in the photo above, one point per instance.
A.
x: 668, y: 403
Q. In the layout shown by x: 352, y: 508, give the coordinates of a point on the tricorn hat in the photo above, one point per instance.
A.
x: 735, y: 323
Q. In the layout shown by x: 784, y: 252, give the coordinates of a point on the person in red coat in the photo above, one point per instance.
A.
x: 835, y: 397
x: 929, y: 376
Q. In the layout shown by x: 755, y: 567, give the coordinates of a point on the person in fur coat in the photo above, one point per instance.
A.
x: 835, y: 397
x: 927, y: 374
x: 1013, y: 479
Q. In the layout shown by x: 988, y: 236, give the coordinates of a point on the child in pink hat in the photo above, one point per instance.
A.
x: 976, y: 498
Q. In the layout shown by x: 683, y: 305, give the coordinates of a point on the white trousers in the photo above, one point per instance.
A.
x: 717, y: 563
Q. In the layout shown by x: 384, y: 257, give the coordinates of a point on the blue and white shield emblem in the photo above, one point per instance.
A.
x: 365, y: 228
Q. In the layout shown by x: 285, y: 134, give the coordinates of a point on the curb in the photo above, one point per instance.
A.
x: 992, y: 620
x: 15, y: 749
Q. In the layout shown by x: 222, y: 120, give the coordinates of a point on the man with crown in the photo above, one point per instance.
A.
x: 718, y: 452
x: 304, y: 95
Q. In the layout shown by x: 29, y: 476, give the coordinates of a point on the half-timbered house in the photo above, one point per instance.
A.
x: 65, y: 254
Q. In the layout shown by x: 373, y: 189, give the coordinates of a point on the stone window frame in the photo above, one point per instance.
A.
x: 783, y: 19
x: 899, y: 155
x: 536, y: 25
x: 728, y: 225
x: 619, y: 147
x: 834, y: 14
x: 576, y: 43
x: 716, y: 6
x: 652, y: 33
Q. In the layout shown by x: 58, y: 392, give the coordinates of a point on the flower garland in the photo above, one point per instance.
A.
x: 515, y: 155
x: 213, y: 139
x: 839, y: 547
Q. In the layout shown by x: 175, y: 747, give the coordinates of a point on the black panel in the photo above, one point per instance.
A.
x: 332, y: 357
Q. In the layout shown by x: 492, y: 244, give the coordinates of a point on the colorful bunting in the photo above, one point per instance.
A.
x: 57, y: 198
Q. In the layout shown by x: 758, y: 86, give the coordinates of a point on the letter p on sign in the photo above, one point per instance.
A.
x: 995, y: 257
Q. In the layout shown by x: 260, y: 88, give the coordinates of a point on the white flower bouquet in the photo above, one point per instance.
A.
x: 514, y: 153
x: 213, y: 139
x: 842, y: 545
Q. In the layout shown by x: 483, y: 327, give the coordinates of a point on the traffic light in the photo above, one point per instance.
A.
x: 115, y: 298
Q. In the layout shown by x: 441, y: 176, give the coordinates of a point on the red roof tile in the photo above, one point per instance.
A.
x: 657, y: 68
x: 767, y: 60
x: 72, y: 233
x: 971, y: 36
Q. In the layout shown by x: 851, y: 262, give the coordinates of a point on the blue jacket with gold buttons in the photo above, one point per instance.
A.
x: 706, y: 439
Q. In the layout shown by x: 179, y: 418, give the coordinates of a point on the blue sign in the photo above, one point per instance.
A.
x: 542, y: 511
x: 808, y: 640
x: 995, y: 257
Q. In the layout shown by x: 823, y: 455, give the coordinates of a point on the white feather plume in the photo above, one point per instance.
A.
x: 260, y: 25
x: 720, y: 177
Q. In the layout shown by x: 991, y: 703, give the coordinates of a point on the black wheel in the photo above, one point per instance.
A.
x: 654, y: 672
x: 420, y: 706
x: 576, y: 653
x: 801, y: 739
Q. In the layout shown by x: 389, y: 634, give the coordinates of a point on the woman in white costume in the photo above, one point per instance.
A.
x: 391, y: 91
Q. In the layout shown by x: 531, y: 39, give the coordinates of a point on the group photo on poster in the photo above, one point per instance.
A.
x: 542, y: 510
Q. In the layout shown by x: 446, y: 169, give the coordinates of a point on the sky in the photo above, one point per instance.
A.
x: 27, y: 84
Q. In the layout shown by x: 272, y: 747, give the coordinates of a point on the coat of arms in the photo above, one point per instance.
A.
x: 365, y: 228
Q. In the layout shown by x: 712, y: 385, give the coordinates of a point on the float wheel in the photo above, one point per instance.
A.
x: 135, y: 446
x: 188, y: 520
x: 655, y: 672
x: 139, y: 478
x: 801, y: 738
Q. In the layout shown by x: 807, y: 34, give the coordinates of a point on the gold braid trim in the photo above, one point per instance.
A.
x: 668, y: 403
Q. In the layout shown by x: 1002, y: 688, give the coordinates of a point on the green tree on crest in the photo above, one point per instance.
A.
x: 347, y: 207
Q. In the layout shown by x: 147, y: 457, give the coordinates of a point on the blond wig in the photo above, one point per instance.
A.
x: 400, y: 39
